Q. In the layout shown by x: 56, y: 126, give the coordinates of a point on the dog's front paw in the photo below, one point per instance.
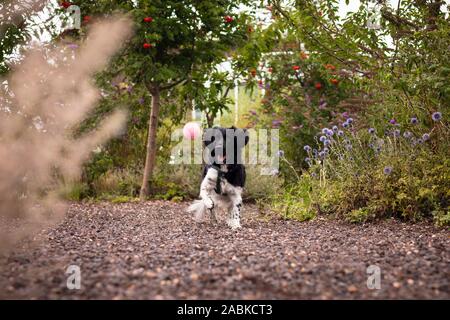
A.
x: 234, y: 224
x: 208, y: 203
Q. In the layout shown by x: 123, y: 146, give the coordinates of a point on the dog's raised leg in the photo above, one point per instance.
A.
x: 234, y: 220
x: 206, y: 188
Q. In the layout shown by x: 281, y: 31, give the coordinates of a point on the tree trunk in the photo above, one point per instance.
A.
x: 209, y: 119
x: 151, y: 143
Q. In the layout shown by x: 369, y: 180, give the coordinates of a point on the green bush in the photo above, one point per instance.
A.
x: 362, y: 176
x: 259, y: 186
x: 74, y: 191
x: 295, y: 202
x: 117, y: 182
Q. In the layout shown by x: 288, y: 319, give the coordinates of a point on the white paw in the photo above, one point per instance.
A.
x: 208, y: 203
x: 234, y: 224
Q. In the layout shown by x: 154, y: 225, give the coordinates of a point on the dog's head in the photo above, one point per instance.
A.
x: 225, y: 145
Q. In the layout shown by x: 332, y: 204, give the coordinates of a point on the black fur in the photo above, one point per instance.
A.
x: 215, y: 139
x: 236, y: 174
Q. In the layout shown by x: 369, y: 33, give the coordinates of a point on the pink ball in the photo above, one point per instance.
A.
x: 191, y: 130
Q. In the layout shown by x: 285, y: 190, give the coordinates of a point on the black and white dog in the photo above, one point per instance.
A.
x: 223, y: 175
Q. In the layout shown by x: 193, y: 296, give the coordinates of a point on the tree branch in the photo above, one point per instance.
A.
x: 172, y: 84
x: 317, y: 42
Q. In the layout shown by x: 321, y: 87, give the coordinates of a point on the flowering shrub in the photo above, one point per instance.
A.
x: 301, y: 94
x: 399, y: 170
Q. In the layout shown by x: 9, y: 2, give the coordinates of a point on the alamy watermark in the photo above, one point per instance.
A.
x: 374, y: 278
x: 262, y: 148
x: 73, y: 13
x: 74, y: 279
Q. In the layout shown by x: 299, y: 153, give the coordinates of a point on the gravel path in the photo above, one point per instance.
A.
x: 153, y: 250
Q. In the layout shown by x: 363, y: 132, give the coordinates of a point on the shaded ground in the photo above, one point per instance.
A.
x: 154, y: 250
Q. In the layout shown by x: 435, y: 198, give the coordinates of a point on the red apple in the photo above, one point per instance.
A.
x: 334, y: 81
x: 228, y: 19
x: 147, y: 45
x: 87, y: 19
x: 148, y: 19
x: 295, y: 68
x: 65, y: 4
x: 318, y: 86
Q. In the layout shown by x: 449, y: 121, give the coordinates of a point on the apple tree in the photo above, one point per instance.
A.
x: 175, y: 43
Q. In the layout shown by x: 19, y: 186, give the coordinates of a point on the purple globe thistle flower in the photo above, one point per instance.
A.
x: 371, y: 146
x: 350, y: 120
x: 414, y: 120
x: 346, y: 141
x: 321, y: 154
x: 426, y: 137
x: 324, y: 130
x: 326, y: 150
x: 396, y: 133
x: 307, y: 148
x: 387, y: 170
x: 308, y: 161
x: 322, y: 138
x: 419, y: 141
x: 330, y: 133
x: 345, y: 124
x: 392, y: 121
x: 72, y: 46
x: 315, y: 152
x: 345, y: 114
x: 313, y: 174
x: 340, y: 133
x: 141, y: 100
x: 335, y: 128
x: 326, y: 142
x: 276, y: 122
x: 280, y: 153
x: 436, y: 116
x: 407, y: 134
x: 371, y: 130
